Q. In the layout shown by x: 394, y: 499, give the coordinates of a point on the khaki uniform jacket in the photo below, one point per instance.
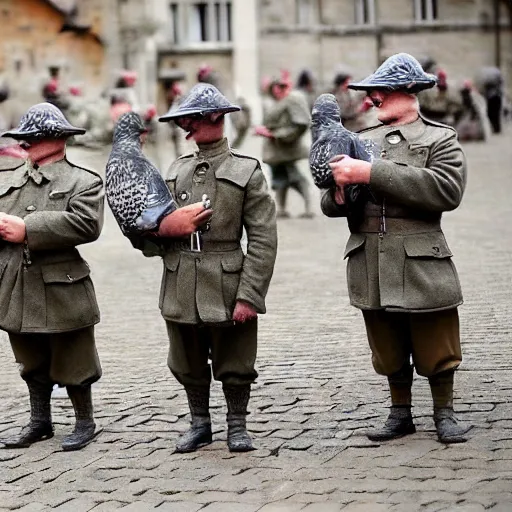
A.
x: 204, y: 287
x: 44, y: 284
x: 288, y: 120
x: 402, y: 262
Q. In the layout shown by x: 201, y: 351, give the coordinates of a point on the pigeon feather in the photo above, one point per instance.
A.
x: 135, y: 190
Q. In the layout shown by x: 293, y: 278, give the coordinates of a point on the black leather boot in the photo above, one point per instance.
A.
x: 237, y: 398
x: 200, y: 432
x: 448, y: 429
x: 85, y: 428
x: 40, y: 425
x: 398, y: 424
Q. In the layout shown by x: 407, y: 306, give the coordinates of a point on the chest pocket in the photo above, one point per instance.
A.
x: 414, y: 154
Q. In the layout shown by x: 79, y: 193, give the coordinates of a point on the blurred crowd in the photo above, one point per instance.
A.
x: 476, y: 107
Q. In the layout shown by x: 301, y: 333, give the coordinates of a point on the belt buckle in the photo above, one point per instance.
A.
x: 195, y: 241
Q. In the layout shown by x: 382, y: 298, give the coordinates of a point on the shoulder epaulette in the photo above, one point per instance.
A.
x: 436, y: 123
x: 90, y: 171
x: 240, y: 155
x: 370, y: 128
x: 188, y: 155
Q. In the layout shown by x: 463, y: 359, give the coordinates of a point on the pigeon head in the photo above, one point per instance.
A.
x: 129, y: 127
x: 325, y: 111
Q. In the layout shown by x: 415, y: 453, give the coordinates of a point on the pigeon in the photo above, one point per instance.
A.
x: 135, y: 190
x: 331, y: 138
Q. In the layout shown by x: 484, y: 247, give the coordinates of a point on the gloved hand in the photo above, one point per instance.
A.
x: 184, y: 221
x: 243, y: 312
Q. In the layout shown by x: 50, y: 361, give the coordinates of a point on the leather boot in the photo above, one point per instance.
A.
x: 399, y: 422
x: 85, y: 428
x: 448, y: 429
x: 200, y: 432
x: 237, y: 398
x: 40, y: 425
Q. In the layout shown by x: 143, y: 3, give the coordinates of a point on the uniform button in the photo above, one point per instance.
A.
x: 31, y: 208
x: 70, y: 279
x: 436, y: 249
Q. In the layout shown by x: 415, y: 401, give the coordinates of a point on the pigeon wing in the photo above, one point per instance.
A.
x: 126, y: 191
x: 159, y: 199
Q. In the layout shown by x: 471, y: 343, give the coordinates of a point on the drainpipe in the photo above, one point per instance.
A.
x: 497, y: 34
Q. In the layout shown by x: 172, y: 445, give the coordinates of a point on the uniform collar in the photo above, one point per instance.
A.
x: 410, y: 132
x: 36, y: 173
x: 214, y: 149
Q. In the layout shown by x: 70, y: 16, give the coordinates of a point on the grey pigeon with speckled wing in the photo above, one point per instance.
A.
x: 135, y: 190
x: 331, y: 138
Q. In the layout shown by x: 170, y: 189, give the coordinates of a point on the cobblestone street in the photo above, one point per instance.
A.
x: 315, y: 396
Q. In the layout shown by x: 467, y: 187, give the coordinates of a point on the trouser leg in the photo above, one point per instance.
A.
x: 74, y: 358
x: 233, y: 357
x: 389, y: 339
x: 32, y: 353
x: 302, y: 187
x: 85, y: 428
x: 188, y: 361
x: 436, y: 355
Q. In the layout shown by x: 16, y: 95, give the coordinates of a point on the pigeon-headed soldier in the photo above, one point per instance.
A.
x: 211, y: 292
x: 49, y: 206
x: 399, y: 271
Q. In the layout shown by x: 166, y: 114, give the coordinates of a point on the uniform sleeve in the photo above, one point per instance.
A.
x: 330, y: 207
x: 260, y: 223
x: 147, y: 246
x: 436, y: 188
x: 79, y: 224
x: 300, y: 119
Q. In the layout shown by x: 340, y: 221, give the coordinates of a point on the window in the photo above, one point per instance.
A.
x: 174, y: 35
x: 425, y: 10
x: 365, y: 12
x: 304, y: 12
x: 209, y: 21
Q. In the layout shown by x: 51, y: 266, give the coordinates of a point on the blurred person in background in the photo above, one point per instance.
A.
x: 491, y: 81
x: 442, y: 103
x: 351, y: 102
x: 285, y: 123
x: 306, y: 84
x: 52, y: 91
x: 473, y: 124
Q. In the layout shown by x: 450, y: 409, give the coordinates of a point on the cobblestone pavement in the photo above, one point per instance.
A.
x: 315, y: 396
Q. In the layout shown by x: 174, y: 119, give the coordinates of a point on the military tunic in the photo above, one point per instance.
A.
x: 200, y: 289
x: 288, y: 120
x: 52, y: 307
x: 400, y: 270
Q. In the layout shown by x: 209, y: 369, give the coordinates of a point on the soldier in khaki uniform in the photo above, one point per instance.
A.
x: 47, y: 303
x: 211, y: 293
x: 400, y: 272
x: 285, y: 122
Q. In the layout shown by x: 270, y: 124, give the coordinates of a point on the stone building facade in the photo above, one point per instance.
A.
x: 37, y: 34
x: 326, y: 35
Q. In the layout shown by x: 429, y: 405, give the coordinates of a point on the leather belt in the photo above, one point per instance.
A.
x: 195, y: 245
x: 398, y: 225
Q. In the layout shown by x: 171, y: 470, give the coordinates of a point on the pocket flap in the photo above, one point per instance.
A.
x: 67, y: 272
x: 233, y: 262
x: 172, y: 176
x: 355, y: 242
x: 172, y: 260
x: 427, y: 245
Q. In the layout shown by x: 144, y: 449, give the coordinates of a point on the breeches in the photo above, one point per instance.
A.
x: 66, y: 358
x: 431, y: 339
x: 232, y: 350
x: 286, y: 175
